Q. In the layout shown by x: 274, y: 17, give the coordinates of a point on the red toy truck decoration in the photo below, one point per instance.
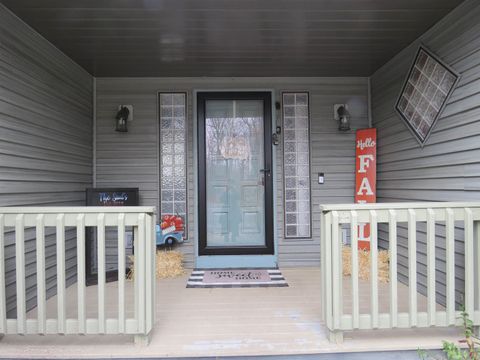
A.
x: 170, y: 230
x: 169, y: 221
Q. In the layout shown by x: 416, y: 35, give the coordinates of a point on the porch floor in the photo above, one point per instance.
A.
x: 232, y: 321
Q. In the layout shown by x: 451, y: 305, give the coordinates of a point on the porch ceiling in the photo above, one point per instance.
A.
x: 231, y: 38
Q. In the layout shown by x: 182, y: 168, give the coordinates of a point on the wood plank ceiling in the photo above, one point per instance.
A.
x: 231, y: 37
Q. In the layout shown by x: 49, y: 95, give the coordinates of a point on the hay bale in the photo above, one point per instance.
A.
x: 169, y: 265
x: 364, y: 264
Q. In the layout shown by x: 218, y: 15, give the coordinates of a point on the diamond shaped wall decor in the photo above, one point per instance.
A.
x: 428, y: 86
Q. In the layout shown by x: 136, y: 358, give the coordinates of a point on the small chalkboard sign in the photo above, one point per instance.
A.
x: 112, y: 197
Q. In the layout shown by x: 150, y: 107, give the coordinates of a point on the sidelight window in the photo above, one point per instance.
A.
x: 173, y: 163
x: 296, y: 165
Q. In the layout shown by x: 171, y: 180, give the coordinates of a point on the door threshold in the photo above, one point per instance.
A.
x: 235, y: 261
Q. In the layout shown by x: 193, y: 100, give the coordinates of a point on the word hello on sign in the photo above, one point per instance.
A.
x: 365, y: 177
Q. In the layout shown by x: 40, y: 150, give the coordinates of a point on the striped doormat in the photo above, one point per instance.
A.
x: 233, y: 278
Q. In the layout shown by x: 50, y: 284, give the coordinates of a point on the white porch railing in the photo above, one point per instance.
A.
x: 142, y: 219
x: 334, y: 217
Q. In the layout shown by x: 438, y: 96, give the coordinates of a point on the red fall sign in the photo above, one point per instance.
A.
x: 365, y: 177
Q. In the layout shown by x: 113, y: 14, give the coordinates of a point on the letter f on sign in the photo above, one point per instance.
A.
x: 364, y: 162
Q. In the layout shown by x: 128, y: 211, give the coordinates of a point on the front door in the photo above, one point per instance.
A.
x: 235, y: 173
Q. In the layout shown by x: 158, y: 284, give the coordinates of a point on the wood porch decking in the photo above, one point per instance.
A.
x: 237, y: 321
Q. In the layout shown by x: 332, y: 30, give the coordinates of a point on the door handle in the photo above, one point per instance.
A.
x: 265, y: 171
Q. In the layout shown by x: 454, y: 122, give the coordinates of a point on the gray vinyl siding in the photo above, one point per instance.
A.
x: 448, y: 167
x: 45, y: 142
x: 131, y: 159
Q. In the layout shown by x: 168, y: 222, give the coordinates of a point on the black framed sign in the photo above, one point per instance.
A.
x: 107, y: 197
x: 427, y: 88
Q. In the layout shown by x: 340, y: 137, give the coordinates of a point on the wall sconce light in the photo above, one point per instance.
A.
x: 341, y: 114
x: 124, y: 114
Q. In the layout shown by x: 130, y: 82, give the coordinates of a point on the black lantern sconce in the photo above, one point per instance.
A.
x: 342, y: 115
x: 124, y: 114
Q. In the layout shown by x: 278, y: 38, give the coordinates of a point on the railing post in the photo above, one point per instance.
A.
x: 140, y: 275
x: 476, y: 238
x: 144, y: 241
x: 3, y: 299
x: 337, y: 279
x: 323, y: 295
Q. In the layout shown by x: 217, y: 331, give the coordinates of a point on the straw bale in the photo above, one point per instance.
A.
x: 169, y: 264
x: 364, y: 264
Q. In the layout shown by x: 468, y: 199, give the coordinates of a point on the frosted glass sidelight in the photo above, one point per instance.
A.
x: 296, y: 165
x: 173, y: 164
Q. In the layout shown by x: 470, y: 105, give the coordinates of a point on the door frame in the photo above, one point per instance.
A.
x: 269, y: 247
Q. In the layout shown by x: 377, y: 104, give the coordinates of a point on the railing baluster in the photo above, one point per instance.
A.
x: 3, y: 299
x: 121, y: 273
x: 81, y: 275
x: 150, y: 272
x: 477, y: 268
x: 354, y: 275
x: 336, y: 274
x: 412, y: 266
x: 392, y: 248
x: 20, y: 273
x: 140, y: 275
x: 41, y: 284
x: 374, y: 267
x: 101, y: 272
x: 469, y: 264
x: 61, y: 299
x: 328, y: 270
x: 450, y: 254
x: 431, y: 292
x: 136, y: 271
x: 323, y: 269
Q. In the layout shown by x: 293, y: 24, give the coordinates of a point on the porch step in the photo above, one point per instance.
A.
x: 380, y: 355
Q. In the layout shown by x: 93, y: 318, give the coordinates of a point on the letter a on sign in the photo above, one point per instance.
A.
x: 365, y: 177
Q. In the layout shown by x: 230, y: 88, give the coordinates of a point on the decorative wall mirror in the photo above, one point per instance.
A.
x: 428, y: 86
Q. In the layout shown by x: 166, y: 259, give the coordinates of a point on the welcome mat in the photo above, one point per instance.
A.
x: 230, y: 278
